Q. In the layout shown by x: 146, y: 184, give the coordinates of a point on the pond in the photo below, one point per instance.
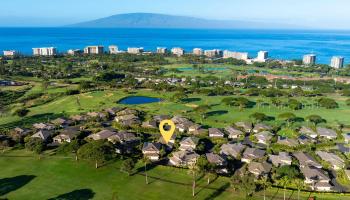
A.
x: 135, y: 100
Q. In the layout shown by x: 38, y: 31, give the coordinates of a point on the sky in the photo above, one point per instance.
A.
x: 330, y: 14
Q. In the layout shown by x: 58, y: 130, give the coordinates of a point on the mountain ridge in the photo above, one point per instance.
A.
x: 153, y: 20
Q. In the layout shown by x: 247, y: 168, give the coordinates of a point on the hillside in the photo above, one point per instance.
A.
x: 149, y: 20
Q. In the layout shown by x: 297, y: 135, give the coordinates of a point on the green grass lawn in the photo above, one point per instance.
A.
x: 226, y: 71
x: 51, y: 176
x: 220, y: 115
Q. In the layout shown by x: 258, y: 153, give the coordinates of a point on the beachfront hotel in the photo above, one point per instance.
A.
x: 337, y: 62
x: 309, y: 59
x: 213, y: 53
x: 197, y: 51
x: 10, y: 53
x: 45, y: 51
x: 178, y: 51
x: 113, y: 49
x: 262, y: 56
x: 135, y: 50
x: 162, y: 50
x: 236, y: 55
x: 94, y: 50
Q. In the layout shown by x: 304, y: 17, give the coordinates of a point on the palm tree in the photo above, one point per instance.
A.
x: 193, y: 170
x: 146, y: 161
x: 300, y: 185
x: 265, y: 184
x: 259, y: 102
x: 285, y: 181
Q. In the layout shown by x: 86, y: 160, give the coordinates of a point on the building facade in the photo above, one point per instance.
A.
x: 162, y: 50
x: 178, y: 51
x: 45, y: 51
x: 74, y: 52
x: 197, y: 51
x: 113, y: 49
x: 213, y: 53
x: 337, y: 62
x: 236, y: 55
x: 135, y: 50
x: 10, y: 53
x: 309, y: 59
x: 262, y: 56
x: 94, y: 50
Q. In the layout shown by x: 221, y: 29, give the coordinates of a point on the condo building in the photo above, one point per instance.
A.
x: 337, y: 62
x: 10, y: 53
x: 113, y: 49
x: 236, y: 55
x: 135, y: 50
x: 178, y: 51
x: 262, y: 56
x: 44, y: 51
x: 162, y: 50
x: 94, y: 50
x: 197, y: 51
x: 74, y: 52
x: 309, y: 59
x: 213, y: 53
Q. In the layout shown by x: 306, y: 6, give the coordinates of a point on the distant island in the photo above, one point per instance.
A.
x: 151, y: 20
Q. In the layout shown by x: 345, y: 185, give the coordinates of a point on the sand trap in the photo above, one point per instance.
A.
x: 191, y: 105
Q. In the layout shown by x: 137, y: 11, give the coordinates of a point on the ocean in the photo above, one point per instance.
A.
x: 281, y: 44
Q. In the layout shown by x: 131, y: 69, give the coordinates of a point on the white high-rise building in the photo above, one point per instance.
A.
x: 94, y: 50
x: 162, y: 50
x: 236, y: 55
x: 337, y: 62
x: 10, y: 53
x: 197, y: 51
x: 44, y: 51
x: 113, y: 49
x: 309, y: 59
x: 178, y: 51
x: 135, y: 50
x: 262, y: 56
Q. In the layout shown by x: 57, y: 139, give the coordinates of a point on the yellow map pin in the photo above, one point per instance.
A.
x: 167, y: 134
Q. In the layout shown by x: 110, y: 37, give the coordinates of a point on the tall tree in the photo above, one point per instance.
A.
x: 98, y: 151
x: 300, y: 185
x: 264, y: 181
x: 128, y: 166
x: 244, y: 183
x: 146, y: 161
x: 193, y: 170
x: 205, y: 167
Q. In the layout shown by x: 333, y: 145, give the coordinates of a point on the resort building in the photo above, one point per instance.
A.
x: 309, y: 59
x: 94, y: 50
x: 337, y: 62
x: 197, y: 51
x: 44, y: 51
x: 213, y: 53
x: 74, y: 52
x: 236, y: 55
x: 178, y: 51
x: 113, y: 49
x: 162, y: 50
x: 10, y: 53
x: 262, y: 56
x: 135, y: 50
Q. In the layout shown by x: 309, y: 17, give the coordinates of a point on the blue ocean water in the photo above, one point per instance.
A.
x: 282, y: 44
